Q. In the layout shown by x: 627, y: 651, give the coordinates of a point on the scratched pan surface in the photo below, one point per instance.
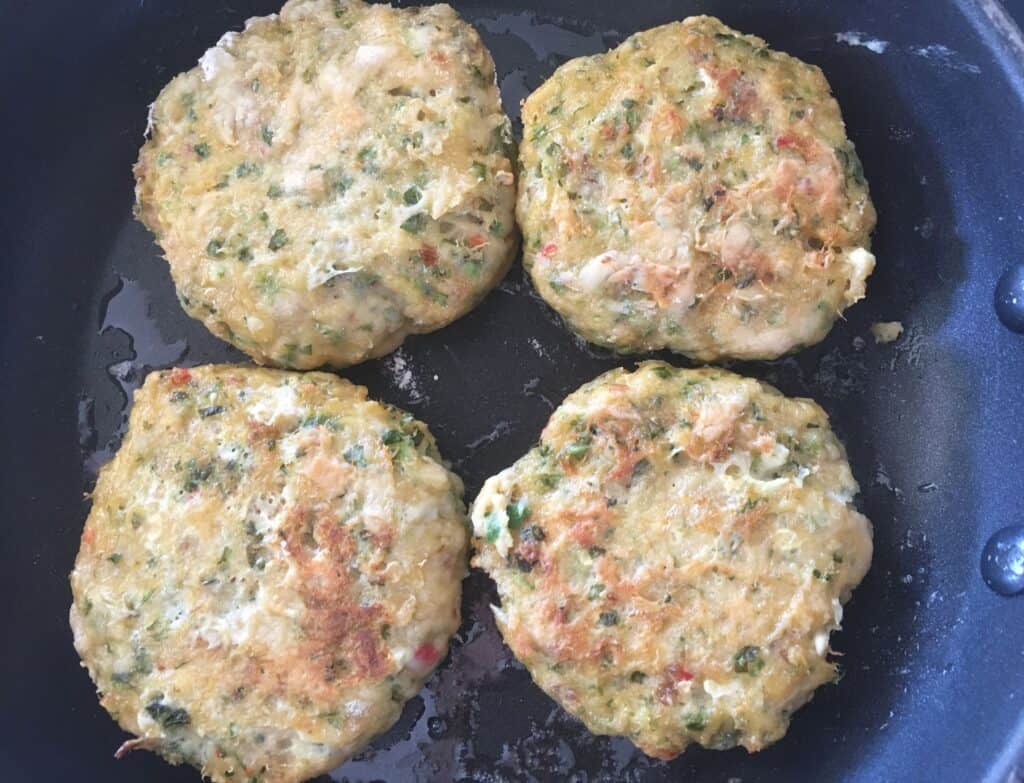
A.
x: 934, y: 99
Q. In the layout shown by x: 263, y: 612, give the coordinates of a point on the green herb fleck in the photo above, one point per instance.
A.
x: 115, y: 558
x: 695, y: 721
x: 368, y: 160
x: 215, y: 248
x: 336, y: 181
x: 609, y: 618
x: 202, y: 149
x: 632, y: 114
x: 166, y: 715
x: 579, y: 448
x: 267, y: 135
x: 414, y: 224
x: 247, y: 169
x: 412, y: 196
x: 518, y: 513
x: 748, y: 660
x: 355, y: 455
x: 278, y: 239
x: 492, y: 526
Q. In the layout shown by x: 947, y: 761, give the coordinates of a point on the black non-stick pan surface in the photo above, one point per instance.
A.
x: 933, y: 95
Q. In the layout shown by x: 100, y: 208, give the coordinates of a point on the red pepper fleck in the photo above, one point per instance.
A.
x: 793, y: 141
x: 608, y: 131
x: 679, y: 673
x: 180, y: 376
x: 429, y: 255
x: 426, y: 654
x: 549, y: 250
x: 477, y: 240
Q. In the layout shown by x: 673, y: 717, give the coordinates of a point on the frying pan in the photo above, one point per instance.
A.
x: 933, y: 95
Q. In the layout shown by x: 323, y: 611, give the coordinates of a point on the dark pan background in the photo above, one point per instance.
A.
x: 934, y: 423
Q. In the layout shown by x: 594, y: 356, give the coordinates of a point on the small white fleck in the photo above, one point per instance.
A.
x: 400, y: 369
x: 856, y: 38
x: 945, y: 57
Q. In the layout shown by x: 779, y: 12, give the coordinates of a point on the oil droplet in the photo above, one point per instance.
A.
x: 436, y: 727
x: 1002, y: 561
x: 1009, y: 299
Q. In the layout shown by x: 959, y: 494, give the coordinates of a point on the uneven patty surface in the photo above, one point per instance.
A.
x: 332, y: 179
x: 673, y: 555
x: 271, y: 567
x: 693, y: 190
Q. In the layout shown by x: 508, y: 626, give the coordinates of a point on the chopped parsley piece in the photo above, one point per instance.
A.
x: 211, y: 410
x: 196, y: 474
x: 245, y: 254
x: 278, y: 239
x: 579, y: 449
x: 632, y: 115
x: 246, y: 169
x: 202, y: 149
x: 115, y: 558
x: 748, y: 660
x: 336, y: 180
x: 368, y: 160
x: 695, y: 721
x: 412, y: 196
x: 414, y: 224
x: 355, y: 455
x: 274, y: 191
x: 518, y: 513
x: 267, y: 135
x: 609, y: 618
x: 492, y: 526
x: 319, y: 419
x: 166, y: 715
x: 215, y: 248
x: 479, y: 170
x: 627, y: 150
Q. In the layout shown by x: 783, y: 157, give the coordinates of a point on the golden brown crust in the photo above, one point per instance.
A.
x: 271, y: 566
x: 693, y: 190
x: 332, y: 179
x: 672, y: 556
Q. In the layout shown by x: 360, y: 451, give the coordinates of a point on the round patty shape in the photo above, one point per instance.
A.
x: 271, y: 567
x: 332, y: 179
x: 693, y: 190
x: 673, y: 555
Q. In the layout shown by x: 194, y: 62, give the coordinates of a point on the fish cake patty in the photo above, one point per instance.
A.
x: 271, y: 567
x: 332, y: 179
x: 673, y: 555
x: 693, y: 190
